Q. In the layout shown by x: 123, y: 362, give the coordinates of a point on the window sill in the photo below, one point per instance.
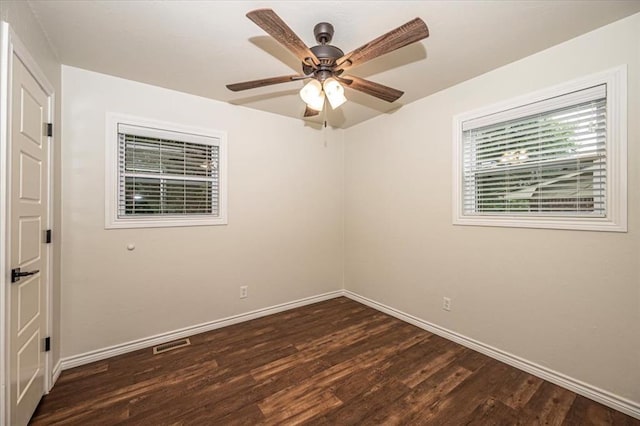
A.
x: 164, y: 222
x: 576, y: 224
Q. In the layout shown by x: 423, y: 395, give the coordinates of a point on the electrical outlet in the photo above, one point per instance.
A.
x: 446, y: 303
x: 244, y: 291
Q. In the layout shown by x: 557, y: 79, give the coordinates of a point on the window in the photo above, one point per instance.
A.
x: 162, y: 174
x: 553, y: 159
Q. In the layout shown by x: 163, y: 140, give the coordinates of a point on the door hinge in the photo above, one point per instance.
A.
x: 47, y: 236
x: 49, y: 129
x: 47, y: 344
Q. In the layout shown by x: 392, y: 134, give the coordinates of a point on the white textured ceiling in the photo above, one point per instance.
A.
x: 199, y: 46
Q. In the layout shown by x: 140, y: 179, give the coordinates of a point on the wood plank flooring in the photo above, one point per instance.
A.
x: 332, y: 363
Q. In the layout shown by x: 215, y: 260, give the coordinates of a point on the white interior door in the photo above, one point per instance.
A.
x: 28, y: 220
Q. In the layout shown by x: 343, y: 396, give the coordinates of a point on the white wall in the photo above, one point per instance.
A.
x: 26, y: 27
x: 567, y: 300
x: 284, y: 238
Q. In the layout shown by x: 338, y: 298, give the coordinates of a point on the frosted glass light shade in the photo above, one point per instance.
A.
x: 313, y: 95
x: 335, y: 92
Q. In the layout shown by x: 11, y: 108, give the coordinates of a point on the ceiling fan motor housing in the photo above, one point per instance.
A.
x: 326, y: 53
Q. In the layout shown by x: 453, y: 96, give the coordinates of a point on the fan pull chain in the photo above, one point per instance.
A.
x: 324, y: 130
x: 324, y: 112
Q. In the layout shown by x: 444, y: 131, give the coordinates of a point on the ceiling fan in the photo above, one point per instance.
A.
x: 325, y: 64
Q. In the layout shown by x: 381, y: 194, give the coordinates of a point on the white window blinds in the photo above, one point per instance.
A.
x: 543, y: 159
x: 164, y: 173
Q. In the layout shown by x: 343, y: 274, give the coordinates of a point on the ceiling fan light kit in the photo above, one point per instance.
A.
x: 334, y: 91
x: 324, y: 64
x: 313, y: 95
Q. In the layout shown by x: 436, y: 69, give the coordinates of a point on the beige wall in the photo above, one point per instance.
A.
x: 284, y: 237
x: 567, y: 300
x: 24, y: 24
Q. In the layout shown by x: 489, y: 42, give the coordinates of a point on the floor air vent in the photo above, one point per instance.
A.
x: 166, y: 347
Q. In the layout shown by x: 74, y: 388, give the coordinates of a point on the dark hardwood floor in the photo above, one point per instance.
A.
x: 332, y: 363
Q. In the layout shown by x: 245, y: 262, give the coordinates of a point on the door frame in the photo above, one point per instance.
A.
x: 10, y: 45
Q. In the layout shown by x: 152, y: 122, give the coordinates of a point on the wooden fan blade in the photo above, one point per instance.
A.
x: 378, y: 90
x: 408, y: 33
x: 308, y: 112
x: 262, y: 82
x: 276, y: 28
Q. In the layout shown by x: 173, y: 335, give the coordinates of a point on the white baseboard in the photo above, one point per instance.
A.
x: 602, y: 396
x: 134, y: 345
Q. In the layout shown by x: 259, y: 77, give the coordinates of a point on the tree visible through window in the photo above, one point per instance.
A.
x: 165, y: 177
x: 164, y: 174
x: 552, y: 159
x: 549, y: 163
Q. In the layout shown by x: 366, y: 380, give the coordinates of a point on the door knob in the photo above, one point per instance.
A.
x: 16, y: 274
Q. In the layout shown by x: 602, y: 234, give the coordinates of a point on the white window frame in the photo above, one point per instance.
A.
x: 615, y: 218
x: 112, y: 175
